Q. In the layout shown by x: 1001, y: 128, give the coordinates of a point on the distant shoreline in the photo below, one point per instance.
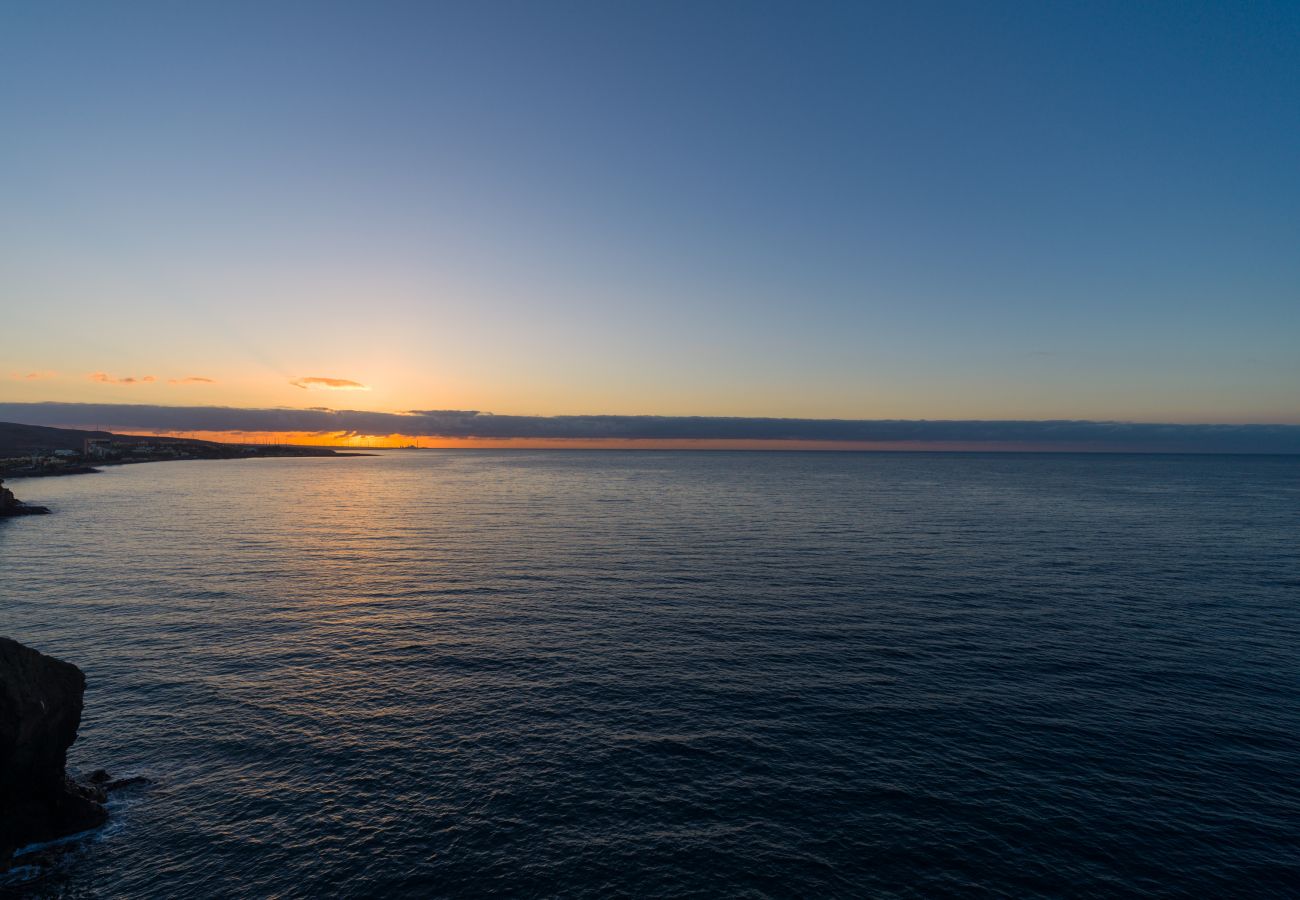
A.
x: 81, y: 469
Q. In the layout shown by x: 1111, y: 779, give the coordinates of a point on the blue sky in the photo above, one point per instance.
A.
x: 949, y: 210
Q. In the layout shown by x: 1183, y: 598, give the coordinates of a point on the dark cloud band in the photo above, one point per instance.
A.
x: 472, y: 424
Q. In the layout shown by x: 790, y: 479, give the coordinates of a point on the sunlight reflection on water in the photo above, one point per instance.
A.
x: 586, y: 674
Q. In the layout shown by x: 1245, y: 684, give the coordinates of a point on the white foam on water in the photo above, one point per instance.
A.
x: 59, y: 842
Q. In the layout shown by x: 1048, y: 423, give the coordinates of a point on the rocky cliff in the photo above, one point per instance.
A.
x: 40, y: 710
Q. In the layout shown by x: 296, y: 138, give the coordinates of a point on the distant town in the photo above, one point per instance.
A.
x: 28, y: 451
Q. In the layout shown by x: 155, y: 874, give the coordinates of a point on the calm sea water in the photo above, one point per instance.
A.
x: 678, y: 674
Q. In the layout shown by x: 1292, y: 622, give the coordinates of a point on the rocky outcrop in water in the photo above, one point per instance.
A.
x: 12, y: 506
x: 40, y: 710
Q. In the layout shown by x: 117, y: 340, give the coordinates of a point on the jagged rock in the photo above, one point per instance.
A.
x: 119, y: 783
x: 102, y: 782
x: 40, y: 710
x: 12, y: 506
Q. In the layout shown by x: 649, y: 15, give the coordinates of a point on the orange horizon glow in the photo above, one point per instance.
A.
x: 345, y: 441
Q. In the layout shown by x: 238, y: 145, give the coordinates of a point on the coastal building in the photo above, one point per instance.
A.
x: 47, y: 459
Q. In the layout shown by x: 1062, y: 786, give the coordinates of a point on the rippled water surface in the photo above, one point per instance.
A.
x: 678, y: 674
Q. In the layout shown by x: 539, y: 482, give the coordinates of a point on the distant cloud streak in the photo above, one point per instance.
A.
x: 329, y: 384
x: 1059, y: 434
x: 33, y: 376
x: 105, y: 378
x: 191, y: 379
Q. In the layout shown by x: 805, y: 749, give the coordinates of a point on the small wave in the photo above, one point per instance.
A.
x: 58, y: 842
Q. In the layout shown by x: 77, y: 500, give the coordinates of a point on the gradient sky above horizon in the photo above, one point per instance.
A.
x: 956, y: 210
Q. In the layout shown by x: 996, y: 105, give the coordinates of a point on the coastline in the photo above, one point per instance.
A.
x: 12, y: 507
x: 30, y: 471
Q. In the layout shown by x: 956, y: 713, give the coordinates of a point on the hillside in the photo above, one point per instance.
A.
x: 20, y: 440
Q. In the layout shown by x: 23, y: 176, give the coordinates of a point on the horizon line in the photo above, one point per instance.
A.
x: 319, y: 426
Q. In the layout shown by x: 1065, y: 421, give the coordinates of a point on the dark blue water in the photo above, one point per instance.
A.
x: 678, y: 674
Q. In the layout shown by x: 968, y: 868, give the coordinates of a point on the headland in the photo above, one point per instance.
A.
x: 34, y: 451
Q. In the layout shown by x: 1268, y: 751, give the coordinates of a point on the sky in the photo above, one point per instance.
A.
x: 942, y: 211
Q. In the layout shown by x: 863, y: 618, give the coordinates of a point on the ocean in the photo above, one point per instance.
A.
x: 677, y: 674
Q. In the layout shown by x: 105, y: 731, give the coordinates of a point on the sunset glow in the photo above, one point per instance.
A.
x: 403, y: 441
x: 374, y: 381
x: 671, y: 233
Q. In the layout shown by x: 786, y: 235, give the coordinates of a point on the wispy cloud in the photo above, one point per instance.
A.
x: 329, y: 384
x: 33, y: 376
x: 191, y: 379
x: 1056, y: 434
x: 105, y: 378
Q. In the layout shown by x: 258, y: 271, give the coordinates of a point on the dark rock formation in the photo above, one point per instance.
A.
x: 40, y: 710
x: 118, y: 783
x: 11, y: 506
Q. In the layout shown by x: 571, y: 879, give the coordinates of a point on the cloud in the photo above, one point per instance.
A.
x: 993, y: 434
x: 329, y: 384
x: 130, y: 379
x: 191, y: 379
x: 33, y: 376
